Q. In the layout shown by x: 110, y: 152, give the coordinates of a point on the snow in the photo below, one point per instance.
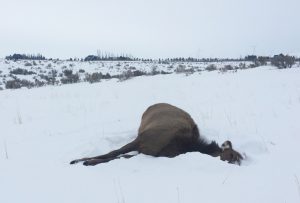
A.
x: 43, y: 129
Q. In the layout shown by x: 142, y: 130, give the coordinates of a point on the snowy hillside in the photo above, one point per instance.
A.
x: 43, y: 129
x: 37, y: 73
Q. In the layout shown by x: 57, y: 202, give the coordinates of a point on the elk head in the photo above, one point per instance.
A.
x: 229, y: 154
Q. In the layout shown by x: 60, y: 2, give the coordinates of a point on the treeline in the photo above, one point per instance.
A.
x: 108, y: 58
x: 280, y: 60
x: 25, y: 57
x: 191, y: 59
x: 111, y: 57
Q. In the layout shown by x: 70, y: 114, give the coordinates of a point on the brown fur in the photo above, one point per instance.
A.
x: 231, y: 156
x: 165, y: 130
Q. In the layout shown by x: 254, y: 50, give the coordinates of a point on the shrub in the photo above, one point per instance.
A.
x: 50, y: 78
x: 126, y: 75
x: 228, y: 68
x: 20, y: 71
x: 262, y: 61
x: 17, y: 83
x: 211, y: 67
x: 69, y: 77
x: 180, y: 69
x: 106, y: 76
x: 164, y: 72
x: 39, y: 83
x: 252, y: 65
x: 154, y: 70
x: 170, y: 67
x: 94, y: 77
x: 74, y: 78
x: 283, y: 61
x: 138, y: 73
x: 242, y: 66
x: 53, y: 73
x: 81, y: 71
x: 27, y: 64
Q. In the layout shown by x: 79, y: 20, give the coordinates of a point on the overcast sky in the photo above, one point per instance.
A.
x: 150, y: 28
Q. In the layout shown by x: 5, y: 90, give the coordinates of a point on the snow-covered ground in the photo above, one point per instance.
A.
x: 43, y: 129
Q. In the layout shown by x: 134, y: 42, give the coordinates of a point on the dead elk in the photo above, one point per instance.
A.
x: 167, y: 131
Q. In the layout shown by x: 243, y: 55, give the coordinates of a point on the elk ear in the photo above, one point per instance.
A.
x: 226, y: 145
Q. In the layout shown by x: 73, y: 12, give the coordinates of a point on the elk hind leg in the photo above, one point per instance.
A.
x: 132, y: 146
x: 93, y: 162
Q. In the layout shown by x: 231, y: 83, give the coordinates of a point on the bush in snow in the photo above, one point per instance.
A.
x: 74, y: 78
x: 94, y: 77
x: 126, y: 75
x: 132, y: 68
x: 211, y: 67
x: 138, y: 73
x: 20, y: 71
x: 17, y: 83
x: 27, y: 64
x: 38, y: 83
x: 242, y: 66
x: 228, y: 67
x: 180, y: 69
x: 262, y: 60
x: 106, y: 76
x: 69, y: 77
x: 154, y: 70
x: 50, y: 78
x: 67, y: 72
x: 253, y: 65
x: 283, y: 61
x: 164, y: 72
x: 170, y: 67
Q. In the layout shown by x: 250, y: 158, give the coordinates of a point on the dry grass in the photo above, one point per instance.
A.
x: 297, y: 183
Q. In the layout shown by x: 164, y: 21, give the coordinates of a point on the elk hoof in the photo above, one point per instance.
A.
x: 74, y: 162
x: 87, y: 163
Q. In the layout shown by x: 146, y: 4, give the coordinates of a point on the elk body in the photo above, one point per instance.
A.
x: 166, y: 131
